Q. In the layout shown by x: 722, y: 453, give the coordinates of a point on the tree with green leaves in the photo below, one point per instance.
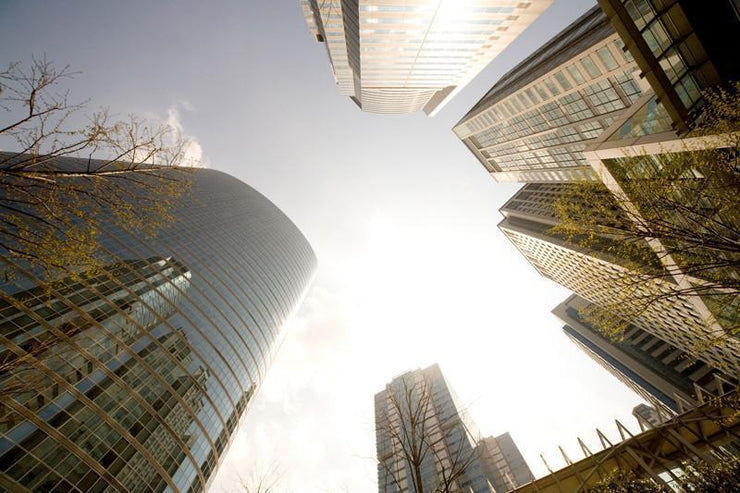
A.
x: 698, y: 477
x: 674, y: 221
x: 68, y: 176
x: 50, y: 206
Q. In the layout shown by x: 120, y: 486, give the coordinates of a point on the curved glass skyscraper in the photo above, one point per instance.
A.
x: 165, y: 345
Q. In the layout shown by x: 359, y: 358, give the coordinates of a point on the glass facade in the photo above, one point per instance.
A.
x: 658, y: 371
x: 654, y: 29
x: 503, y: 462
x: 675, y: 316
x: 683, y: 48
x: 408, y: 56
x: 133, y: 377
x: 533, y: 125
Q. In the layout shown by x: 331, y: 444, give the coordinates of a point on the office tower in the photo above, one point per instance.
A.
x: 408, y: 56
x: 674, y: 316
x: 656, y: 370
x: 681, y: 190
x: 682, y: 47
x: 164, y: 346
x: 503, y: 463
x: 534, y: 123
x: 647, y: 416
x: 425, y: 437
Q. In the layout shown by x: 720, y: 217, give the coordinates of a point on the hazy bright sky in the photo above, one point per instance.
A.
x: 412, y: 269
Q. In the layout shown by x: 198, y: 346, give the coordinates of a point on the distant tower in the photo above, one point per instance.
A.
x: 402, y: 57
x: 424, y: 436
x: 503, y: 463
x: 164, y: 346
x: 647, y: 416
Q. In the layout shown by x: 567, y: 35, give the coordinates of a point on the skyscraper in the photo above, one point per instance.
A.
x: 534, y: 123
x: 682, y: 47
x: 408, y: 56
x: 656, y: 370
x: 425, y: 439
x: 647, y: 416
x: 503, y: 463
x: 674, y: 316
x: 163, y: 346
x: 582, y: 108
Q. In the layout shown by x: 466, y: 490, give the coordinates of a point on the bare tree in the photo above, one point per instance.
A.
x: 262, y: 480
x: 70, y: 177
x: 51, y: 206
x: 415, y: 438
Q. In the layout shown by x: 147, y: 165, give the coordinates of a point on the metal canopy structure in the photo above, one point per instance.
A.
x: 709, y: 432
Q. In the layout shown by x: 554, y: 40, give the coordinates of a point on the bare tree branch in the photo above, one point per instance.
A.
x: 67, y: 179
x: 415, y: 433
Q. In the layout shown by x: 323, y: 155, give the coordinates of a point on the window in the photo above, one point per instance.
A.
x: 568, y: 135
x: 590, y: 67
x: 552, y: 87
x: 623, y: 50
x: 546, y: 159
x: 656, y: 38
x: 554, y: 115
x: 563, y: 81
x: 673, y: 65
x: 629, y: 86
x: 541, y: 91
x: 606, y: 58
x: 520, y: 126
x: 687, y: 90
x: 509, y: 107
x: 641, y: 12
x: 551, y: 140
x: 532, y: 96
x: 489, y: 136
x: 576, y: 74
x: 590, y: 130
x: 525, y: 102
x: 535, y: 120
x: 575, y: 107
x: 603, y: 97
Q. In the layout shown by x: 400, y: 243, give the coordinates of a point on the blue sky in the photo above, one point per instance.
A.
x: 412, y: 269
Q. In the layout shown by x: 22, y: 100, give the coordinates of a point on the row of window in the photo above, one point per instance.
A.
x: 562, y: 81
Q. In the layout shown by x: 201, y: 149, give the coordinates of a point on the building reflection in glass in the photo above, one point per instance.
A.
x: 134, y: 376
x: 89, y: 359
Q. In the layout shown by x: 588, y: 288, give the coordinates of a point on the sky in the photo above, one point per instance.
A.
x: 412, y: 269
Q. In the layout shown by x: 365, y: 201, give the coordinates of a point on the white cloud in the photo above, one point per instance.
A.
x: 305, y: 417
x: 187, y: 105
x: 193, y: 151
